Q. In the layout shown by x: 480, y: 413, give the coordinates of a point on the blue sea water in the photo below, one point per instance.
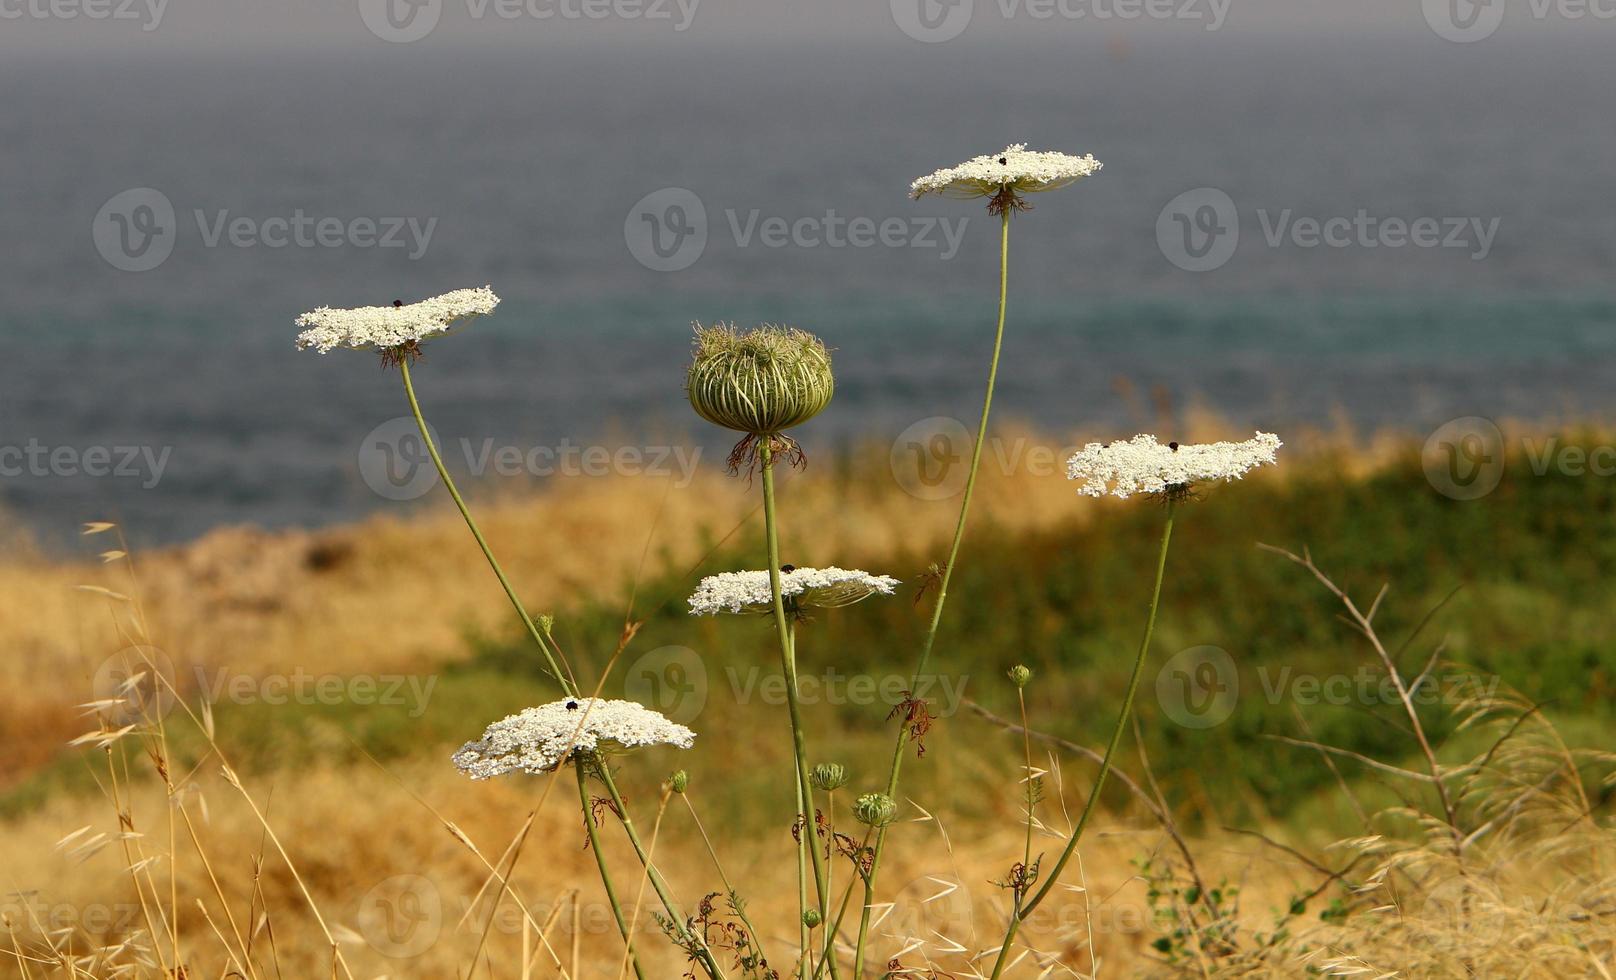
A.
x: 532, y: 171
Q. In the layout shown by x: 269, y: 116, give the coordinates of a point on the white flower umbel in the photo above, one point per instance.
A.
x: 748, y: 592
x: 391, y: 327
x: 536, y: 740
x: 1143, y: 465
x: 1015, y: 169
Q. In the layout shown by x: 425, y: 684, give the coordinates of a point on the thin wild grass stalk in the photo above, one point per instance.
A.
x: 314, y: 909
x: 470, y: 845
x: 930, y: 639
x: 1020, y: 912
x: 729, y: 887
x: 1363, y: 622
x: 1028, y: 779
x: 639, y: 897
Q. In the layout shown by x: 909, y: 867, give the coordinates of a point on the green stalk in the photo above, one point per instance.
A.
x: 605, y: 874
x: 1019, y: 915
x: 807, y: 962
x: 568, y: 685
x: 808, y: 837
x: 565, y: 680
x: 942, y: 587
x: 835, y: 929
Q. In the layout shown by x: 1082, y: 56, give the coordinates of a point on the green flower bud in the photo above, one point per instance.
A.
x: 1019, y: 675
x: 875, y: 809
x: 546, y: 624
x: 811, y: 918
x: 679, y: 781
x: 828, y: 776
x: 761, y: 382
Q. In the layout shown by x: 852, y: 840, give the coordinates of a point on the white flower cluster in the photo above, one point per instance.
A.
x: 738, y: 592
x: 386, y: 327
x: 538, y: 739
x: 1015, y: 167
x: 1142, y: 465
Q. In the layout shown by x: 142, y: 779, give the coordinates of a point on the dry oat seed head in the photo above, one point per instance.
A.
x: 1143, y: 465
x: 1015, y: 169
x: 538, y: 739
x: 749, y: 592
x: 391, y: 327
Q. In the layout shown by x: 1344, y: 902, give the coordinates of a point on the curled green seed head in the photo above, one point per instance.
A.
x: 678, y: 781
x: 1019, y: 675
x: 875, y: 809
x: 828, y: 776
x: 761, y: 382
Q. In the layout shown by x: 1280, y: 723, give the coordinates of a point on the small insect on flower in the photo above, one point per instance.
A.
x: 1142, y: 465
x: 538, y: 739
x: 395, y: 330
x: 1006, y: 175
x: 748, y: 592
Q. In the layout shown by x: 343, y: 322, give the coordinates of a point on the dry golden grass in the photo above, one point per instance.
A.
x: 386, y: 874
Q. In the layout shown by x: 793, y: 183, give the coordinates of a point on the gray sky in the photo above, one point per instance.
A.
x: 55, y: 26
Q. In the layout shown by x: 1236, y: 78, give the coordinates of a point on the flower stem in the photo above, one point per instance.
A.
x: 808, y: 836
x: 942, y: 586
x: 1018, y: 915
x: 1026, y: 748
x: 568, y: 684
x: 605, y: 873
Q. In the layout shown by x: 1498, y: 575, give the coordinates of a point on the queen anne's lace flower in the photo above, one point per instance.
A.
x: 1142, y: 465
x: 742, y: 592
x: 538, y: 739
x: 388, y: 327
x: 1015, y: 168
